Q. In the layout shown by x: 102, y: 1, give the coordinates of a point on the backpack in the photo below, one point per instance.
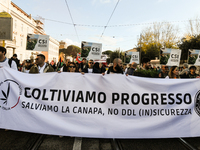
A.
x: 10, y: 62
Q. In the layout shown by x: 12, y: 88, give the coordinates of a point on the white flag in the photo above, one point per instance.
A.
x: 174, y: 58
x: 135, y: 57
x: 95, y: 52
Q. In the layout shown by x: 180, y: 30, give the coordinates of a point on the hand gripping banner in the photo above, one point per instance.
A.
x: 92, y: 105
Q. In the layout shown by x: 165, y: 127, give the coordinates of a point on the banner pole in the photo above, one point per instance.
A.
x: 3, y: 43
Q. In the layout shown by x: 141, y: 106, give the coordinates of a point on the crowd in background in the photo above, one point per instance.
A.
x: 117, y: 67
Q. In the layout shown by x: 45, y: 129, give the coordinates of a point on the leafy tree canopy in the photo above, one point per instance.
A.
x: 71, y: 50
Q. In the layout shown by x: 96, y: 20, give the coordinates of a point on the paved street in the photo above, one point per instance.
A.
x: 15, y: 140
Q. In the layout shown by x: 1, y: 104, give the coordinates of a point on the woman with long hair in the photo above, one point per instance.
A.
x: 173, y: 72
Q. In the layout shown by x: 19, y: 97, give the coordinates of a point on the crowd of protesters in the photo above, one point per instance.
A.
x: 40, y: 66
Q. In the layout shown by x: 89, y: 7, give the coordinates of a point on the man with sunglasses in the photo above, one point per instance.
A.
x: 164, y: 71
x: 41, y: 66
x: 89, y: 67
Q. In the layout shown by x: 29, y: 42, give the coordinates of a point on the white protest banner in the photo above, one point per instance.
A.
x: 92, y: 105
x: 37, y: 42
x: 194, y: 57
x: 170, y: 57
x: 135, y: 57
x: 91, y: 50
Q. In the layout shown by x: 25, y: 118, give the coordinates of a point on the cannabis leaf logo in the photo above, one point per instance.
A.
x: 5, y: 95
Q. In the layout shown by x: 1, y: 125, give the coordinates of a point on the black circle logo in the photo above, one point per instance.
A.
x: 197, y: 103
x: 10, y: 92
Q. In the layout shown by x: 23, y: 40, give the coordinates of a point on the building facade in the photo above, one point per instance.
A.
x: 63, y: 45
x: 24, y: 24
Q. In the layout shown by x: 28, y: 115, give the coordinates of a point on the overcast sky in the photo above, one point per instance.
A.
x: 134, y: 15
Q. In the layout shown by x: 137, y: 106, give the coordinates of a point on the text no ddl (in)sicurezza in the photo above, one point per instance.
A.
x: 110, y: 111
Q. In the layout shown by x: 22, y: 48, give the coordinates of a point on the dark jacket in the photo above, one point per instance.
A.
x: 130, y: 71
x: 82, y: 66
x: 17, y: 61
x: 163, y: 75
x: 85, y: 69
x: 65, y: 68
x: 111, y: 70
x: 99, y: 70
x: 95, y: 70
x: 189, y: 75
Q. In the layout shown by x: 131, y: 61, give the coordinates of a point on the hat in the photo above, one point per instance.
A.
x: 192, y: 67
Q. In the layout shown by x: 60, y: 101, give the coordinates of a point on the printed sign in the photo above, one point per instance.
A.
x: 91, y: 50
x: 37, y: 42
x: 6, y: 26
x: 170, y: 57
x: 194, y: 57
x: 135, y: 57
x: 92, y: 105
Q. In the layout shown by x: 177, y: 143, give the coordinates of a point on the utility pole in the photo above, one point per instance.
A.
x: 119, y: 52
x: 3, y: 43
x: 124, y: 57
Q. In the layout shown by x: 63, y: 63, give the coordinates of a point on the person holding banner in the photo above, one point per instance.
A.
x: 173, y: 73
x: 5, y: 62
x: 72, y: 67
x: 132, y: 68
x: 41, y: 66
x: 65, y: 66
x: 116, y: 68
x: 90, y: 68
x: 82, y: 65
x: 99, y: 68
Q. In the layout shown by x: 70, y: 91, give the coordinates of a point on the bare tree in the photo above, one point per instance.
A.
x: 161, y: 33
x: 158, y: 35
x: 193, y: 27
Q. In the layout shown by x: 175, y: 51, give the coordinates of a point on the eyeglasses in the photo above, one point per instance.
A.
x: 72, y: 67
x: 91, y: 63
x: 36, y: 59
